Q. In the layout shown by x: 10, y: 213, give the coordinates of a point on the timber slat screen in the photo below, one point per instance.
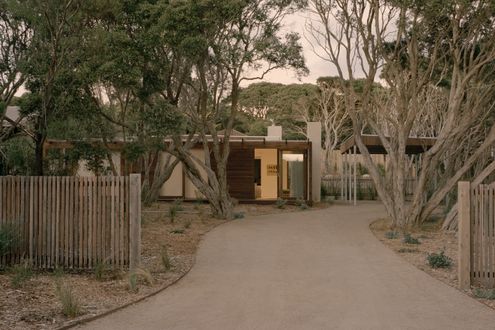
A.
x: 476, y: 235
x: 365, y: 187
x: 71, y: 222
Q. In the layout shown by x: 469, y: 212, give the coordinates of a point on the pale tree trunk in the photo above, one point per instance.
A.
x: 394, y: 112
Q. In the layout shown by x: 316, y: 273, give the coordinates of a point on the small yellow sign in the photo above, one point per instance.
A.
x: 271, y: 169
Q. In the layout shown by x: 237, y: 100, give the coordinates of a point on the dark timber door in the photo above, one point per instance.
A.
x: 240, y: 174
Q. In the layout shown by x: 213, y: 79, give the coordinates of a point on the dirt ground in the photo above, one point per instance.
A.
x: 34, y: 304
x: 433, y: 240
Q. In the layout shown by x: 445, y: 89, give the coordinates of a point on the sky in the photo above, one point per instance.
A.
x: 317, y: 66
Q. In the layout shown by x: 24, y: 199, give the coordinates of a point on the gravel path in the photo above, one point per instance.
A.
x: 309, y: 270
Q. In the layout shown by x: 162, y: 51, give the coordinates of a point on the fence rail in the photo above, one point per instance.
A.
x: 476, y: 235
x: 365, y: 187
x: 72, y: 222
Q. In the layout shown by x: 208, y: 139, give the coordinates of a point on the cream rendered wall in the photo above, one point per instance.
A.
x: 82, y: 169
x: 314, y: 135
x: 190, y: 189
x: 173, y: 186
x: 268, y: 182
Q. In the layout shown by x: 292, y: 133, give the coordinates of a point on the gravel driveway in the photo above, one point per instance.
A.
x: 319, y: 269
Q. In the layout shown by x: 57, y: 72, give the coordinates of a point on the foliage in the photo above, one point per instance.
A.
x: 134, y: 277
x: 280, y: 203
x: 409, y: 239
x: 303, y: 206
x: 16, y: 157
x: 407, y: 250
x: 484, y: 293
x: 9, y: 238
x: 187, y: 223
x: 70, y: 304
x: 164, y: 258
x: 20, y: 274
x: 439, y: 260
x: 100, y: 269
x: 392, y: 235
x: 177, y: 231
x: 238, y: 215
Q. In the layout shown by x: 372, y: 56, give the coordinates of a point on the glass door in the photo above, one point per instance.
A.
x: 293, y: 178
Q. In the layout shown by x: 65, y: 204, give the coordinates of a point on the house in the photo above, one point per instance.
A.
x: 259, y: 169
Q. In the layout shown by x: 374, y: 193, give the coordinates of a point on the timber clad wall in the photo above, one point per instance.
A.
x: 73, y: 222
x: 476, y: 235
x: 240, y: 173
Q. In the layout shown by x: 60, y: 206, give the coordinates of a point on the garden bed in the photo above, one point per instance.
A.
x: 432, y: 240
x: 34, y: 303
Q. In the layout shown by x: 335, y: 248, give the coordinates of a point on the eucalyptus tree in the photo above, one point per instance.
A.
x: 14, y: 41
x: 417, y: 49
x: 239, y: 38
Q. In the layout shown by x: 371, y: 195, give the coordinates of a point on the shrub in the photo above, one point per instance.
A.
x: 165, y: 258
x: 100, y: 269
x: 304, y: 206
x: 132, y: 282
x: 172, y: 213
x: 70, y: 304
x: 439, y: 260
x: 135, y: 275
x: 392, y: 234
x: 324, y: 191
x: 20, y: 274
x: 407, y: 250
x: 408, y: 239
x: 484, y: 293
x: 9, y: 238
x: 238, y: 215
x: 280, y: 203
x: 187, y: 223
x: 178, y: 204
x: 177, y: 231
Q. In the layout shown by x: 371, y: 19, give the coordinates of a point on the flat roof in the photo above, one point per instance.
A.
x: 235, y: 142
x: 415, y: 145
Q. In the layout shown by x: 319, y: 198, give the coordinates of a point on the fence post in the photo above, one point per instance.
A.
x: 135, y: 221
x: 464, y: 218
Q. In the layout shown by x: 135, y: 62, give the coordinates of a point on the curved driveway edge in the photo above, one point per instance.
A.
x: 319, y: 269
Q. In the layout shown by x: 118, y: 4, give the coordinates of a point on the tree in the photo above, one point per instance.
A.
x: 14, y: 41
x: 238, y: 37
x: 417, y: 48
x: 54, y: 27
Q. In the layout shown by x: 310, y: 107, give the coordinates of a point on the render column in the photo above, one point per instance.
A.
x: 314, y: 135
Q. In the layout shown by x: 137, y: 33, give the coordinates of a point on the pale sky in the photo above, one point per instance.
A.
x: 317, y: 66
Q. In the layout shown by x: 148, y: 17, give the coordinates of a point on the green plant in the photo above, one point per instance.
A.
x: 58, y: 272
x: 407, y: 250
x: 323, y: 190
x: 303, y: 206
x: 70, y: 303
x: 9, y: 238
x: 134, y: 276
x: 132, y: 282
x: 178, y: 204
x: 20, y: 274
x: 100, y: 269
x: 409, y: 239
x: 187, y: 223
x: 439, y: 260
x: 484, y: 293
x: 238, y: 215
x: 280, y: 203
x: 177, y: 231
x: 392, y: 234
x: 172, y: 213
x: 165, y: 258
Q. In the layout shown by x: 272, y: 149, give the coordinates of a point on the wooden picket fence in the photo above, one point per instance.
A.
x: 476, y: 235
x: 72, y: 222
